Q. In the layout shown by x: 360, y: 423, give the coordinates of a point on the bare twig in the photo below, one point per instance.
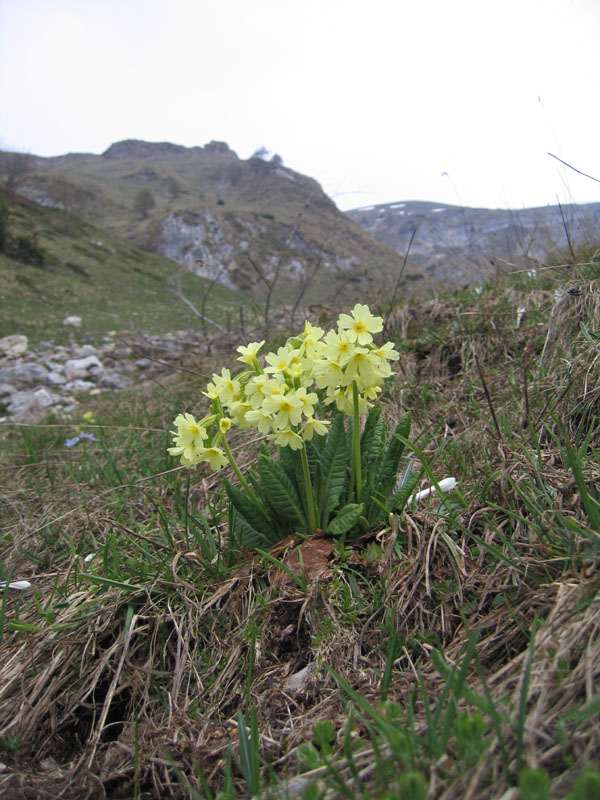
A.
x: 562, y: 216
x: 400, y: 274
x: 270, y: 284
x: 488, y: 397
x: 579, y: 172
x: 177, y: 291
x: 216, y: 277
x: 303, y: 289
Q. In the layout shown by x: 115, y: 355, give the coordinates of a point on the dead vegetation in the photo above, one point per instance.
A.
x: 124, y: 676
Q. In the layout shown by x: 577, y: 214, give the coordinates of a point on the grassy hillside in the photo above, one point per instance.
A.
x: 106, y: 280
x: 222, y: 213
x: 452, y: 651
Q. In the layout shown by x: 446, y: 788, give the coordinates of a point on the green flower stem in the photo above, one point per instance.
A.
x: 219, y: 414
x: 356, y: 467
x: 238, y: 472
x: 312, y: 519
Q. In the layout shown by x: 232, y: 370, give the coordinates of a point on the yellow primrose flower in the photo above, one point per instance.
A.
x: 187, y: 439
x: 274, y: 386
x: 371, y: 392
x: 295, y: 370
x: 344, y: 401
x: 248, y: 355
x: 238, y: 411
x: 285, y: 408
x: 312, y: 426
x: 337, y: 347
x: 386, y: 352
x: 312, y: 331
x: 185, y: 461
x: 382, y: 371
x: 215, y: 457
x: 211, y: 391
x: 225, y: 387
x: 309, y: 399
x: 224, y: 424
x: 259, y: 419
x: 310, y: 340
x: 287, y: 438
x: 328, y: 374
x: 279, y: 361
x: 361, y: 326
x: 89, y: 417
x: 254, y: 389
x: 189, y: 429
x: 363, y: 364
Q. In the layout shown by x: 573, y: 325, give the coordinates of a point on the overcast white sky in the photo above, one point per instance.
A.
x: 455, y: 101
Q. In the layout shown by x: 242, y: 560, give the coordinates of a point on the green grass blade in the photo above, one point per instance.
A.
x: 109, y: 583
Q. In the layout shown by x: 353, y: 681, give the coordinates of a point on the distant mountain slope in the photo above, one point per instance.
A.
x: 109, y: 282
x: 243, y: 222
x: 452, y: 243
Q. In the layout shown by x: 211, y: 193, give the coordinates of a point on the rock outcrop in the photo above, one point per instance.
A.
x: 220, y: 215
x: 137, y: 148
x: 53, y: 378
x: 452, y: 243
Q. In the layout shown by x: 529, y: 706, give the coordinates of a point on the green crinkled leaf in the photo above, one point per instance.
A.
x: 398, y: 500
x: 334, y: 468
x: 317, y: 484
x: 369, y: 430
x: 245, y: 535
x: 313, y: 457
x: 319, y: 442
x: 287, y: 461
x: 253, y: 515
x: 291, y: 462
x: 388, y: 469
x: 371, y: 454
x: 280, y: 492
x: 345, y: 519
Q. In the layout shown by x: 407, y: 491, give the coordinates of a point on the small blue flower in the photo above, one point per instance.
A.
x: 80, y: 436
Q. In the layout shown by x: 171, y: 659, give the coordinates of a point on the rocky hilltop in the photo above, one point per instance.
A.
x: 247, y: 224
x: 454, y: 244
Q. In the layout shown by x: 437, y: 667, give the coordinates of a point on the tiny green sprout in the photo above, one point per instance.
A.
x: 411, y: 785
x: 308, y: 755
x: 469, y: 729
x: 587, y: 785
x: 312, y: 792
x: 314, y: 754
x: 402, y: 745
x: 324, y: 735
x: 391, y: 710
x: 534, y: 784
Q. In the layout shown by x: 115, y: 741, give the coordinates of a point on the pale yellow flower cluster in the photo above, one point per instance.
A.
x: 189, y: 442
x: 279, y: 397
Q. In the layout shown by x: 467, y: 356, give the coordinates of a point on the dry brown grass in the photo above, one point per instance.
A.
x: 92, y: 707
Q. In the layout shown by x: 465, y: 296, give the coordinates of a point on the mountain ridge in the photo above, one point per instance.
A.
x: 454, y: 243
x: 249, y: 224
x: 259, y: 227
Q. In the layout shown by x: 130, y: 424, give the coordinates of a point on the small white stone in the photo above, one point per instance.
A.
x: 83, y: 367
x: 14, y: 345
x: 446, y: 485
x: 19, y: 585
x: 297, y: 681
